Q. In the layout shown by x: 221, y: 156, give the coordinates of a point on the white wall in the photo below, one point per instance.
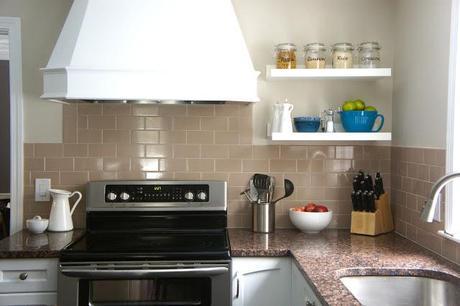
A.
x: 41, y: 21
x: 268, y: 22
x: 421, y: 73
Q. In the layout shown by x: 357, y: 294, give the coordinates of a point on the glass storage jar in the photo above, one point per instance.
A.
x: 342, y: 55
x: 315, y: 56
x: 369, y: 55
x: 285, y: 56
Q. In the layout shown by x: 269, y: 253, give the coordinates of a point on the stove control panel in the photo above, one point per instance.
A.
x: 156, y: 193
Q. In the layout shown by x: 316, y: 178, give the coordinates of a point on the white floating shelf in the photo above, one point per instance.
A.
x: 339, y: 136
x: 327, y: 74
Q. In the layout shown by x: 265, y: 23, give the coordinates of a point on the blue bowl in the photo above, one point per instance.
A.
x: 361, y: 121
x: 307, y: 124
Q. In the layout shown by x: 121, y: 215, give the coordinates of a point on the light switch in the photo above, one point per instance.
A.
x: 42, y: 186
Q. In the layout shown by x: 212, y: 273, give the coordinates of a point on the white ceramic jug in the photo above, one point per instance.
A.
x: 285, y: 118
x: 61, y: 214
x: 276, y: 120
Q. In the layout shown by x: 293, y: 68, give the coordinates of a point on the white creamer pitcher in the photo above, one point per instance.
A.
x: 61, y: 214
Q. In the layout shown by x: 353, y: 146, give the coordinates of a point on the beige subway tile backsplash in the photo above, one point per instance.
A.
x: 48, y: 150
x: 413, y: 172
x: 145, y: 137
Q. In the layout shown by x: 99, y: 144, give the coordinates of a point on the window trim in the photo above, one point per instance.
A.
x: 452, y: 226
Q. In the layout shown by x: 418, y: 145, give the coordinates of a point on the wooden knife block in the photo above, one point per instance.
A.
x: 373, y: 223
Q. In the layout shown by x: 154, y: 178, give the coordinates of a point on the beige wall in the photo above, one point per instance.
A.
x: 264, y: 23
x: 420, y: 118
x: 41, y: 21
x: 268, y: 22
x: 421, y: 73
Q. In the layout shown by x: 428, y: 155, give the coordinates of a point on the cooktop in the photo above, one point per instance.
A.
x: 148, y: 246
x: 153, y: 220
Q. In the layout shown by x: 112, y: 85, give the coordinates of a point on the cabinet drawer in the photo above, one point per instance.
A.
x: 28, y: 275
x: 38, y: 298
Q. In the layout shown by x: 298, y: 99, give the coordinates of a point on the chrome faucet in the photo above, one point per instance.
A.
x: 430, y: 205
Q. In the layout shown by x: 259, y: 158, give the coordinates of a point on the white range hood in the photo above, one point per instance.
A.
x: 151, y: 50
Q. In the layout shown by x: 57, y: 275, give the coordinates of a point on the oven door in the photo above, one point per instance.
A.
x: 165, y: 284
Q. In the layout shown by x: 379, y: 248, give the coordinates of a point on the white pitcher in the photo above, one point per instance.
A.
x: 285, y: 118
x: 61, y: 214
x: 276, y: 120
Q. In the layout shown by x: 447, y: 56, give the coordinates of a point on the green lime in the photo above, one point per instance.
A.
x: 370, y: 108
x: 348, y: 106
x: 360, y: 105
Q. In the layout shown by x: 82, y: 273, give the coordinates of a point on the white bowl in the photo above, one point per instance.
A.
x: 37, y: 225
x: 310, y: 222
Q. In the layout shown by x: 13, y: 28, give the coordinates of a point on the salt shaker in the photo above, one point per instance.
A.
x: 329, y: 121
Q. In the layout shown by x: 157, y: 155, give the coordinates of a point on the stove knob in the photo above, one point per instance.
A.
x: 124, y: 196
x: 188, y: 196
x: 111, y: 196
x: 202, y: 195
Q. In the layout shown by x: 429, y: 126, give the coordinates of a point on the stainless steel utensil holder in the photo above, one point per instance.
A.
x: 263, y: 217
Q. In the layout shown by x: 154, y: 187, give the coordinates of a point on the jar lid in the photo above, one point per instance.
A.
x: 286, y: 46
x: 344, y: 46
x: 315, y: 47
x: 369, y: 45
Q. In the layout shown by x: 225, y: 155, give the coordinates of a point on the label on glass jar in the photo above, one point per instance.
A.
x: 342, y: 59
x: 285, y: 59
x: 313, y: 62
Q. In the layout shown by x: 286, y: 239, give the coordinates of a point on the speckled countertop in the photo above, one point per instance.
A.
x: 324, y: 258
x: 24, y: 244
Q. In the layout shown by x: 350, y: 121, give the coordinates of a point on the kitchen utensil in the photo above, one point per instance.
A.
x: 353, y: 200
x: 248, y: 196
x: 371, y: 201
x: 263, y: 217
x: 37, y: 225
x: 379, y: 185
x: 271, y: 189
x: 359, y: 200
x: 373, y: 223
x: 262, y: 185
x: 310, y: 222
x: 307, y: 124
x: 288, y: 190
x: 61, y: 214
x: 285, y: 118
x: 356, y: 184
x: 361, y: 121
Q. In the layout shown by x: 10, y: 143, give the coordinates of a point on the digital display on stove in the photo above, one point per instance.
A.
x: 156, y: 193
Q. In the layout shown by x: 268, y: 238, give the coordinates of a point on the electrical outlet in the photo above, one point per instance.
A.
x: 42, y: 187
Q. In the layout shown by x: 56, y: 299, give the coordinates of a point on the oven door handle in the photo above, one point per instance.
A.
x: 116, y: 274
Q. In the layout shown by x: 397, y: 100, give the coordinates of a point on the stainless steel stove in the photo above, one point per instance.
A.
x: 150, y: 243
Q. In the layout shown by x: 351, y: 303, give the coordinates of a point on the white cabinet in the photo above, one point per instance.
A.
x: 270, y: 281
x: 302, y: 294
x: 28, y: 281
x: 261, y: 281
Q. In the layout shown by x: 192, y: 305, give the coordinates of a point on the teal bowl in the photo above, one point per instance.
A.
x: 361, y: 121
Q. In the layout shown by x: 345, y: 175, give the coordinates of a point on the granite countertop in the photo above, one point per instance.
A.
x: 24, y: 244
x: 324, y: 258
